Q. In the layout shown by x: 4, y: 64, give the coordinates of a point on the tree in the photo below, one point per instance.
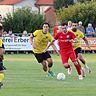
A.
x: 83, y: 1
x: 22, y: 19
x: 79, y: 12
x: 62, y: 3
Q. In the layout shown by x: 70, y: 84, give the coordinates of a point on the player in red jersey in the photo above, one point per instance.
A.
x: 65, y: 39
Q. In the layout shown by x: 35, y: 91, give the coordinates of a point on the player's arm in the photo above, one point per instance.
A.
x: 86, y: 41
x: 73, y: 40
x: 53, y: 46
x: 31, y: 39
x: 51, y: 43
x: 2, y: 51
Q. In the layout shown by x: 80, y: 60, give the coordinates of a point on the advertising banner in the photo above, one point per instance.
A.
x: 92, y: 43
x: 23, y: 44
x: 17, y: 43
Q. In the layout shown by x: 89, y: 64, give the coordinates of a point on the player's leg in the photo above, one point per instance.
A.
x: 1, y: 59
x: 49, y: 60
x: 77, y: 52
x: 76, y: 64
x: 40, y: 59
x: 1, y: 74
x: 44, y: 65
x: 86, y: 67
x: 79, y: 55
x: 79, y: 70
x: 65, y: 58
x: 50, y: 64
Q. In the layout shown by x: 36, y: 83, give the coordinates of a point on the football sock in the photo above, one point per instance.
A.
x: 78, y: 68
x: 86, y: 66
x: 83, y: 61
x: 1, y: 76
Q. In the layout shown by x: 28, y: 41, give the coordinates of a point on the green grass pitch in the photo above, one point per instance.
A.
x: 25, y: 77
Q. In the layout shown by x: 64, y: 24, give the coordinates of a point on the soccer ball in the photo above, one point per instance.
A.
x: 61, y: 76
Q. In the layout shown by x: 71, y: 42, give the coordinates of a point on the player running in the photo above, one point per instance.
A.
x: 40, y: 39
x: 65, y: 39
x: 78, y: 49
x: 1, y: 58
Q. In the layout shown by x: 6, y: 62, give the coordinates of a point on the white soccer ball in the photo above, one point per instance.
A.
x: 61, y: 76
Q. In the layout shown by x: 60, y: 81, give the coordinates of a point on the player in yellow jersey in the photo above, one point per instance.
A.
x: 40, y: 39
x: 1, y: 57
x: 78, y: 49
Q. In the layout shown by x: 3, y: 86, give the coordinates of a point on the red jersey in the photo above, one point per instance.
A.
x: 63, y: 41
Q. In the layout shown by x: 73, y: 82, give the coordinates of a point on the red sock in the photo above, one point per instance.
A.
x: 78, y: 68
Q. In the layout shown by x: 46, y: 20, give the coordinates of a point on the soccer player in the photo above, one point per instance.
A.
x: 1, y: 57
x: 78, y: 49
x: 40, y: 39
x: 65, y: 39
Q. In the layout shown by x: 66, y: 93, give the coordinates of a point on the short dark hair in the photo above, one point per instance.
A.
x: 64, y: 23
x: 46, y: 24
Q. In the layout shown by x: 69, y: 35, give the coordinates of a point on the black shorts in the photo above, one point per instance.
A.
x: 78, y: 50
x: 42, y: 56
x: 1, y: 66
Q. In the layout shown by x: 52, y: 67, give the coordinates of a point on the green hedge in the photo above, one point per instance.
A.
x: 22, y: 19
x: 79, y: 12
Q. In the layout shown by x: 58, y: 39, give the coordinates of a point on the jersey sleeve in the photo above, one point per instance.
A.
x: 35, y: 33
x: 81, y: 35
x: 1, y: 43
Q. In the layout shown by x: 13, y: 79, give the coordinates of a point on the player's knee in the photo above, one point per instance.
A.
x: 66, y: 66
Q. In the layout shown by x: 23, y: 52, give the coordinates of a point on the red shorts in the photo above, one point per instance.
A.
x: 66, y: 55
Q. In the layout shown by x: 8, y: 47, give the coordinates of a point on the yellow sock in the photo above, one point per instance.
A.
x: 1, y: 77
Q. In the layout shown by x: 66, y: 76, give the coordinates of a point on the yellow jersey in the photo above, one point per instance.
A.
x: 41, y: 40
x: 79, y: 36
